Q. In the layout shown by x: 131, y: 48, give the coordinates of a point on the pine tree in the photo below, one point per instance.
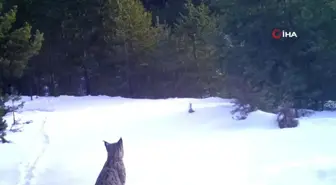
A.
x: 197, y: 33
x: 267, y: 73
x: 199, y: 27
x: 49, y: 17
x: 83, y: 35
x: 131, y: 34
x: 17, y: 47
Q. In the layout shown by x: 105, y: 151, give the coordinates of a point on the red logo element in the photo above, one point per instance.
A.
x: 276, y: 33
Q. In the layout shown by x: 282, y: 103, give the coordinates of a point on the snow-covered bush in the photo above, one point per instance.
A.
x: 3, y: 124
x: 241, y: 111
x: 10, y: 104
x: 304, y: 113
x: 330, y: 105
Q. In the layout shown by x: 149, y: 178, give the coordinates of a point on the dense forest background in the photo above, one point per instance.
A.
x: 171, y: 48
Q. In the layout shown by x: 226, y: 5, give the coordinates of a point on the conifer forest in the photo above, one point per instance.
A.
x: 172, y: 48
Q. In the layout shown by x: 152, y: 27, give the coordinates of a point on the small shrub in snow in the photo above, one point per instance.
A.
x: 241, y: 111
x: 304, y: 113
x: 3, y: 124
x: 15, y: 104
x: 330, y: 105
x: 286, y: 118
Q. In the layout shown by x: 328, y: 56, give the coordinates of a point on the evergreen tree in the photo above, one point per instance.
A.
x: 51, y: 18
x: 130, y: 34
x: 197, y: 32
x: 17, y: 47
x: 277, y: 72
x: 83, y: 33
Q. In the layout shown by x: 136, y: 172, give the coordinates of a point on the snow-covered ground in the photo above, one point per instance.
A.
x: 164, y: 145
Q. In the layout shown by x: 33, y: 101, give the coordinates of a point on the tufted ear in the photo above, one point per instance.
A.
x: 106, y: 144
x: 120, y: 142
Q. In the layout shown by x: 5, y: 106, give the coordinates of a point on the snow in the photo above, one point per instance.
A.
x: 164, y: 144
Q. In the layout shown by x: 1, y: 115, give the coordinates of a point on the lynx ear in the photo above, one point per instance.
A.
x: 120, y: 142
x: 106, y: 144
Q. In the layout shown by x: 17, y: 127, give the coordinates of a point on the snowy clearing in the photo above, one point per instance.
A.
x: 164, y: 145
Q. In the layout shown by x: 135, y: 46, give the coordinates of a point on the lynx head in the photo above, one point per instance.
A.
x: 115, y: 150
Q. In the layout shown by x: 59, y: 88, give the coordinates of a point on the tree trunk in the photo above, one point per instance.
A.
x: 194, y: 46
x: 87, y: 80
x: 128, y: 71
x: 31, y: 86
x: 52, y: 83
x: 37, y: 82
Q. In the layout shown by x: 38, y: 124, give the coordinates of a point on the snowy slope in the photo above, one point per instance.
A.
x: 164, y: 145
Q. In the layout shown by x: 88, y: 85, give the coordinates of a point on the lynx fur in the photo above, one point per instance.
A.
x: 113, y: 172
x: 286, y: 118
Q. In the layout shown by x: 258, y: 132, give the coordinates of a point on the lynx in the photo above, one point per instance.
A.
x: 113, y: 172
x: 286, y: 118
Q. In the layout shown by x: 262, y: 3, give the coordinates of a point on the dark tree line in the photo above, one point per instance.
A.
x: 117, y: 47
x: 169, y: 48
